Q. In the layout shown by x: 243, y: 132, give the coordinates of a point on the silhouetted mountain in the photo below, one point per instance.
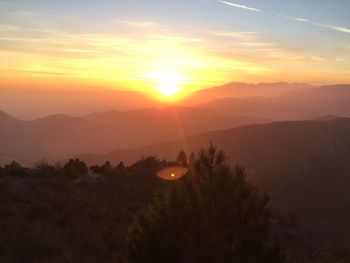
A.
x: 32, y: 103
x: 244, y: 90
x: 137, y: 115
x: 328, y: 118
x: 303, y: 165
x: 59, y: 136
x: 4, y: 117
x: 299, y: 104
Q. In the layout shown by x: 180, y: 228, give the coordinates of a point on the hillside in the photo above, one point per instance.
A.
x: 244, y: 90
x: 59, y: 136
x: 305, y: 103
x: 303, y: 165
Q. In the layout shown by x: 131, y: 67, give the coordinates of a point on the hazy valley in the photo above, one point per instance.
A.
x: 61, y: 136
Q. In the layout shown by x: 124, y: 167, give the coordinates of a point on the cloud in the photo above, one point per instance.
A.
x: 6, y: 3
x: 317, y: 58
x: 336, y: 28
x: 243, y: 36
x: 139, y: 24
x: 240, y: 6
x: 252, y: 47
x: 299, y: 19
x: 47, y: 73
x: 23, y: 13
x: 7, y: 28
x: 128, y: 49
x: 305, y: 20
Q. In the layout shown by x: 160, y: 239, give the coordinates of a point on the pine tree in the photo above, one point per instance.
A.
x: 75, y: 168
x: 182, y: 158
x: 211, y: 215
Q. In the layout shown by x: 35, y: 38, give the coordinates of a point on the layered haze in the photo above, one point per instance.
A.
x: 175, y: 131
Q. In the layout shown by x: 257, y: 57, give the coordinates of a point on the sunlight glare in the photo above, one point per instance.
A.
x: 172, y: 173
x: 168, y: 83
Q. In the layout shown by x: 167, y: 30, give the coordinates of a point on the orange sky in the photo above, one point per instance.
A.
x: 41, y: 47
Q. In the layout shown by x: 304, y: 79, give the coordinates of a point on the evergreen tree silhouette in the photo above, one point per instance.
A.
x: 75, y: 168
x: 182, y: 158
x: 211, y: 215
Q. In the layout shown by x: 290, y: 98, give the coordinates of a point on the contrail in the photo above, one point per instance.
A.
x: 240, y: 6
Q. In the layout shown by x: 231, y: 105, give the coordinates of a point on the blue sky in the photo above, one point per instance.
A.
x: 197, y: 12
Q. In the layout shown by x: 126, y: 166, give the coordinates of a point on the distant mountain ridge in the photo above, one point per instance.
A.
x: 114, y: 115
x: 59, y: 136
x: 31, y: 103
x: 4, y: 117
x: 307, y: 103
x: 239, y: 90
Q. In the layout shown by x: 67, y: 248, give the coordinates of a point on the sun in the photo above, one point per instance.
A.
x: 169, y: 83
x: 168, y: 88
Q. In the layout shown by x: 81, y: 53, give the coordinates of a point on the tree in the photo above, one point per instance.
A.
x: 121, y: 169
x: 121, y: 166
x: 182, y: 158
x: 107, y: 168
x: 211, y: 215
x: 44, y: 168
x: 14, y: 169
x: 75, y: 168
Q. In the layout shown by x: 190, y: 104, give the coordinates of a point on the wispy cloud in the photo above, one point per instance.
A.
x: 6, y: 3
x: 141, y: 24
x: 241, y: 36
x: 305, y: 20
x: 337, y: 28
x: 240, y: 6
x: 317, y: 58
x: 6, y: 28
x: 252, y: 47
x: 127, y: 49
x: 47, y: 73
x: 299, y: 19
x: 22, y: 13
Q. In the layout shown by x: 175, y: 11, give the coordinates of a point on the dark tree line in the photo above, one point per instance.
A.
x: 119, y: 213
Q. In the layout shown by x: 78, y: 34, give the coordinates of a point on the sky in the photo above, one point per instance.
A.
x: 135, y: 44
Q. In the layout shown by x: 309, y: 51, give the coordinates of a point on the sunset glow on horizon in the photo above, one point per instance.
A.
x: 169, y: 84
x: 116, y: 44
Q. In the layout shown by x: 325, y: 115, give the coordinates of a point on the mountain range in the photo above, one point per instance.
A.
x: 294, y: 139
x: 60, y: 136
x: 307, y: 103
x: 303, y: 165
x: 32, y: 103
x: 240, y: 90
